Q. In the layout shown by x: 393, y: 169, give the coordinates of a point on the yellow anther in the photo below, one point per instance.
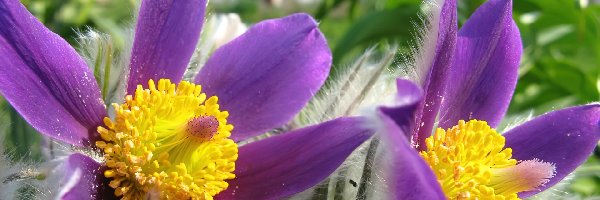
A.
x: 168, y: 139
x: 480, y: 165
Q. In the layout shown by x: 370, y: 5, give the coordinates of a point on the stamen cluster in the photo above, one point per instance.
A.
x: 471, y: 162
x: 168, y: 141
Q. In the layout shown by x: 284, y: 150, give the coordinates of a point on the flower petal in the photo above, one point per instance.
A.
x: 410, y: 177
x: 292, y: 162
x: 265, y: 76
x: 484, y: 74
x: 437, y: 76
x: 564, y: 137
x: 165, y: 38
x: 409, y: 97
x: 81, y: 178
x: 45, y: 79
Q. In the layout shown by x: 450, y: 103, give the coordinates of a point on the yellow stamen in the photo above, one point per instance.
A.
x: 471, y: 162
x: 168, y: 140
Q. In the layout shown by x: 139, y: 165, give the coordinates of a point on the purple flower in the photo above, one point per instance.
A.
x: 472, y: 76
x: 180, y: 135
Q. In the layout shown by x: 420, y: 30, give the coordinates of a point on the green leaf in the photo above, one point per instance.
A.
x: 396, y: 24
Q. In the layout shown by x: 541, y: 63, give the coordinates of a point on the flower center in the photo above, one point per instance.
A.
x: 471, y: 162
x: 169, y: 142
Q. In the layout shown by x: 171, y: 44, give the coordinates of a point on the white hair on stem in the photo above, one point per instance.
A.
x: 421, y: 56
x: 511, y: 121
x: 362, y: 85
x: 108, y: 61
x: 365, y: 82
x: 12, y: 175
x: 15, y: 174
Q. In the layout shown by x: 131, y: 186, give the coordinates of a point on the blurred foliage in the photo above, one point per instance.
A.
x: 587, y: 180
x: 66, y: 17
x: 560, y: 65
x: 22, y: 140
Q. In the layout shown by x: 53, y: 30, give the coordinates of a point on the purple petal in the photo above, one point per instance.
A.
x: 81, y: 178
x: 45, y: 79
x: 410, y: 176
x: 409, y: 97
x: 265, y: 76
x: 436, y: 79
x: 165, y: 38
x: 564, y: 137
x: 292, y: 162
x: 484, y: 74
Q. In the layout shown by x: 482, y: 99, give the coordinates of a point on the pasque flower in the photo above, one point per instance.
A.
x: 468, y: 87
x: 171, y: 138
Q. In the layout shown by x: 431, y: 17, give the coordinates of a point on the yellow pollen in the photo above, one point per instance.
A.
x: 168, y: 141
x: 471, y: 162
